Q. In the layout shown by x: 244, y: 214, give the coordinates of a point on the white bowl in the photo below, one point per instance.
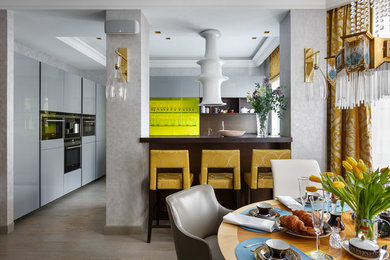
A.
x: 231, y: 133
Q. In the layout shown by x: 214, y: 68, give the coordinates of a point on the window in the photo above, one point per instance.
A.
x: 275, y: 120
x: 380, y: 133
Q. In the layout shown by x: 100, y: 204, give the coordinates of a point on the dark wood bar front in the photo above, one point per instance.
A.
x: 195, y: 145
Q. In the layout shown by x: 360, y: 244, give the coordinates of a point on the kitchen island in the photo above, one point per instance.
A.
x: 195, y: 145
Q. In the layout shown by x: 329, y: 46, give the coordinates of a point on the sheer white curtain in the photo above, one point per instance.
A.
x: 381, y: 133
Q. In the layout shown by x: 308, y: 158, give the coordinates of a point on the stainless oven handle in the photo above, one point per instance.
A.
x: 72, y: 147
x: 93, y: 121
x: 54, y: 120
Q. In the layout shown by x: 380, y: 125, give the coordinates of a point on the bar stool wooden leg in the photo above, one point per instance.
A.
x: 158, y: 207
x: 152, y: 200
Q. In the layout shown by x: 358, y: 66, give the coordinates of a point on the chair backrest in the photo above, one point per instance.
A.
x: 262, y: 158
x: 169, y: 159
x: 221, y: 159
x: 286, y: 173
x: 195, y: 210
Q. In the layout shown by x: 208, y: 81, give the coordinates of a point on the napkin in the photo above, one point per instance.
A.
x: 250, y: 222
x: 290, y: 202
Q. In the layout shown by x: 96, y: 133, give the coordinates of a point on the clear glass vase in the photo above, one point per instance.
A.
x: 262, y: 124
x: 366, y: 228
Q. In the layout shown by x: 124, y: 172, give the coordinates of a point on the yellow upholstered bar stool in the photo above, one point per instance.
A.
x: 168, y: 159
x: 222, y: 180
x: 262, y: 180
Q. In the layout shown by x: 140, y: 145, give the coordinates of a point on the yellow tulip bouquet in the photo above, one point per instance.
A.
x: 364, y: 191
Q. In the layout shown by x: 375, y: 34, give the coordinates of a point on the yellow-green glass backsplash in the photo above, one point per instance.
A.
x: 174, y: 116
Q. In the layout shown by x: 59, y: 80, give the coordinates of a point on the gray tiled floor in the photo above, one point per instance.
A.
x: 72, y: 228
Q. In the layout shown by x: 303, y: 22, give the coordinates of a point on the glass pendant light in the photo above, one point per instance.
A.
x: 116, y: 88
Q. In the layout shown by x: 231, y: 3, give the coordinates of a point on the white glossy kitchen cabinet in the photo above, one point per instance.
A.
x: 88, y: 160
x: 72, y: 181
x: 26, y: 135
x: 52, y: 170
x: 52, y: 88
x: 89, y: 97
x: 100, y: 112
x: 72, y: 93
x: 100, y: 159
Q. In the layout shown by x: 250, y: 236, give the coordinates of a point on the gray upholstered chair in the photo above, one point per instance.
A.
x: 195, y: 216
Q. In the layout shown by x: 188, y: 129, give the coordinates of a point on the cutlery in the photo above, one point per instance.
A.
x: 255, y: 244
x: 382, y: 252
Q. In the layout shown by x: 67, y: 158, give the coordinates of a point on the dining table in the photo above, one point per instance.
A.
x: 229, y: 236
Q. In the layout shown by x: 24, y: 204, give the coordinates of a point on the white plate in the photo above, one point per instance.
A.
x: 345, y: 245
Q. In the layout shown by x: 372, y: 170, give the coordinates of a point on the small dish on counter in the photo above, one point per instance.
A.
x: 231, y: 133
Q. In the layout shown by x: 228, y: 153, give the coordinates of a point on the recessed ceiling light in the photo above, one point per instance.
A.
x: 254, y: 38
x: 266, y: 32
x: 99, y: 38
x: 157, y: 32
x: 168, y: 38
x: 84, y: 48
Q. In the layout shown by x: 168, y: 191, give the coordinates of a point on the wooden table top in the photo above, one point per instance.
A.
x: 229, y: 236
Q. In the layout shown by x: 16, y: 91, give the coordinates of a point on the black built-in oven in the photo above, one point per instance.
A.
x: 72, y: 154
x: 89, y: 123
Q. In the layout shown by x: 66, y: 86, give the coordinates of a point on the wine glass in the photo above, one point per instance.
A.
x: 303, y: 182
x: 317, y: 207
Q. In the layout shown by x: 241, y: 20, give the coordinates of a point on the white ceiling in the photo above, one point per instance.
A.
x: 181, y: 20
x: 39, y: 29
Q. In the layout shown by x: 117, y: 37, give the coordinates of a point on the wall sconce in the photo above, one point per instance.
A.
x: 116, y: 88
x: 314, y: 74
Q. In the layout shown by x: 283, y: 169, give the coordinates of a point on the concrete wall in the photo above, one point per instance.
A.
x: 6, y: 122
x: 127, y: 159
x: 305, y: 119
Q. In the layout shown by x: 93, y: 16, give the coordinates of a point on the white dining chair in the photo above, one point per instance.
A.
x: 286, y: 172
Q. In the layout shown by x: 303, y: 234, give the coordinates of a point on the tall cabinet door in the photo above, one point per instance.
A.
x: 100, y: 159
x: 100, y: 112
x: 72, y: 93
x: 89, y: 97
x: 26, y: 136
x: 52, y: 88
x: 88, y: 159
x: 52, y: 171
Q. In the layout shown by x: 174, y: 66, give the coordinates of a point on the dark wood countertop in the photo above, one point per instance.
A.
x: 247, y: 138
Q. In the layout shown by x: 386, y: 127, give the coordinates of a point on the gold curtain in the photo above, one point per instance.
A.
x: 349, y: 130
x: 274, y: 65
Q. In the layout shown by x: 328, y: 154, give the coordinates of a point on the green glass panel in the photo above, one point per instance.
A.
x: 174, y: 116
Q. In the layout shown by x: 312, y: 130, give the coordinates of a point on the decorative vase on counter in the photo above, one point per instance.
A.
x: 366, y: 229
x: 262, y: 124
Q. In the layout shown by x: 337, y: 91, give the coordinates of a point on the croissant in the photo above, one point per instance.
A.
x: 293, y: 223
x: 304, y: 216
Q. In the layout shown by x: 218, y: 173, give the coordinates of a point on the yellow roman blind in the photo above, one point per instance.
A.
x: 274, y: 64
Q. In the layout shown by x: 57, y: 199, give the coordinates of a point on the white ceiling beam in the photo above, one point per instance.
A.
x: 140, y: 4
x: 265, y: 50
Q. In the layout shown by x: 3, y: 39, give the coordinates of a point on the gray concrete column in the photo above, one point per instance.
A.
x: 6, y: 122
x: 127, y: 121
x: 305, y: 120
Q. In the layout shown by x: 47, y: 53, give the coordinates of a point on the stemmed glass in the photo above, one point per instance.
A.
x: 317, y: 207
x: 303, y: 182
x: 327, y: 196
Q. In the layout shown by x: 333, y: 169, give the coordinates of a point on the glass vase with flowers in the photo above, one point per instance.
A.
x: 264, y: 100
x: 366, y: 192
